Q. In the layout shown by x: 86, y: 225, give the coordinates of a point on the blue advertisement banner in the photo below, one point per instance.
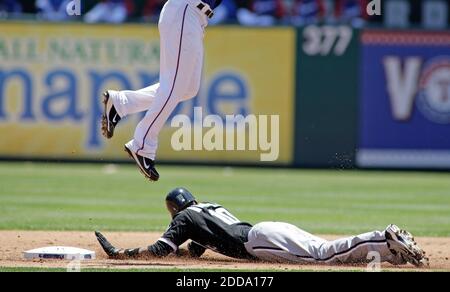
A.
x: 405, y: 100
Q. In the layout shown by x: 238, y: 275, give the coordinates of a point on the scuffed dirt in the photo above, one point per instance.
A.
x: 14, y: 243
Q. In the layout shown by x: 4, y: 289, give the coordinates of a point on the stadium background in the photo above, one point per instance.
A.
x: 353, y: 91
x: 327, y: 82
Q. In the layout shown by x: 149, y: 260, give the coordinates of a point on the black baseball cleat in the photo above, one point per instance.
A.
x: 401, y: 243
x: 110, y: 117
x: 146, y: 165
x: 109, y: 249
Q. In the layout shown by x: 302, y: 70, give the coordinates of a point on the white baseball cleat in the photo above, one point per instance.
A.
x: 401, y: 243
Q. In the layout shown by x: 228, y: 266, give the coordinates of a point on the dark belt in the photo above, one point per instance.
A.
x: 208, y: 12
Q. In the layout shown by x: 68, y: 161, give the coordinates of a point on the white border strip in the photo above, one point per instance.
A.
x: 400, y: 158
x: 172, y: 245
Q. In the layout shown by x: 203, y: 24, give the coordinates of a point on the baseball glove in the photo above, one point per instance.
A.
x: 109, y: 249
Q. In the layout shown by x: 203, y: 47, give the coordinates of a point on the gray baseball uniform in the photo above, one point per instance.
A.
x: 281, y: 242
x: 212, y: 226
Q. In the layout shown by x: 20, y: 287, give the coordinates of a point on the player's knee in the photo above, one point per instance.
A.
x: 191, y: 94
x: 265, y: 230
x: 192, y: 91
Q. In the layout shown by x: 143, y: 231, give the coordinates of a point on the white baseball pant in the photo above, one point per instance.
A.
x: 281, y: 242
x: 181, y: 27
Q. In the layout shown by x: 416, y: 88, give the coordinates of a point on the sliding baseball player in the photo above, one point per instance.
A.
x: 210, y: 226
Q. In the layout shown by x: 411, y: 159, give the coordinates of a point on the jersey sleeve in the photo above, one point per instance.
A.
x: 179, y: 231
x: 159, y: 249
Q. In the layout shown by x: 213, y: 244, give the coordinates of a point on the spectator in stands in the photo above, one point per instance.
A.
x: 351, y: 11
x: 260, y: 12
x: 110, y: 11
x: 226, y: 12
x: 52, y: 10
x: 151, y: 9
x: 28, y: 6
x: 10, y: 7
x: 306, y: 12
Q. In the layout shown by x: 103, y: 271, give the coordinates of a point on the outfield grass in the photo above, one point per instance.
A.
x: 37, y: 196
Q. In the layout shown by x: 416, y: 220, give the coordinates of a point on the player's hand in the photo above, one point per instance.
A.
x: 109, y: 249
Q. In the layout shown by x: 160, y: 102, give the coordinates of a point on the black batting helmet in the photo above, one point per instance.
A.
x: 178, y: 200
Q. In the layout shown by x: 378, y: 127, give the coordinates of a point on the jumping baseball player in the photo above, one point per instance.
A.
x: 181, y: 26
x: 212, y: 226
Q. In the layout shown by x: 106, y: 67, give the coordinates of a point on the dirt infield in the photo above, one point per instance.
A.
x: 13, y: 243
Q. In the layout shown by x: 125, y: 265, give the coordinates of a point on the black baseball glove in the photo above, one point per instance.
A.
x: 110, y: 250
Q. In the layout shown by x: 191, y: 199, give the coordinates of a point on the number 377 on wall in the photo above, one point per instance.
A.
x: 326, y: 40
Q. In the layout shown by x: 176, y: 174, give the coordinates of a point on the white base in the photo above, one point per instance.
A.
x: 59, y: 253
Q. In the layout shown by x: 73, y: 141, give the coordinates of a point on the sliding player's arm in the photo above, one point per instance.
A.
x: 177, y: 233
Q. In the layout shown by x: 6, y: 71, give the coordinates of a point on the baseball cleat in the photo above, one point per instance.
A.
x: 145, y: 165
x: 110, y: 117
x: 401, y: 243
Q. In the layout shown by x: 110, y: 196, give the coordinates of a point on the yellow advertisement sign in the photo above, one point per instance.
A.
x: 52, y: 77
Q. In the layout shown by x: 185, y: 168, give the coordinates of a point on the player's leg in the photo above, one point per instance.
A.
x: 196, y: 77
x: 146, y: 135
x: 119, y: 104
x: 354, y: 249
x: 181, y: 51
x: 129, y: 102
x: 281, y: 242
x: 391, y: 245
x: 275, y: 241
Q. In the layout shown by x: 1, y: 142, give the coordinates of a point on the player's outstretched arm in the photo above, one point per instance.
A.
x: 159, y: 249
